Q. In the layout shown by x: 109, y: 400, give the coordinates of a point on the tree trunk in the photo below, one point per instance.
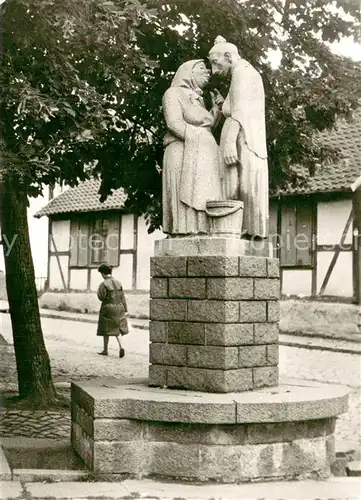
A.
x: 32, y: 359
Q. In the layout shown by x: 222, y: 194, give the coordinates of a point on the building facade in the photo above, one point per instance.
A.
x: 83, y: 233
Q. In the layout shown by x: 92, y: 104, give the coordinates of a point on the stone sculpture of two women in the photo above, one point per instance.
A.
x: 197, y: 170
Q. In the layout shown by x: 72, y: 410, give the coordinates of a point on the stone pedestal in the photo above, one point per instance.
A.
x: 214, y: 330
x: 280, y: 433
x: 214, y: 318
x: 206, y: 245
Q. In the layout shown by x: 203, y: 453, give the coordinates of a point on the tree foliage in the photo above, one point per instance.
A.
x: 63, y: 65
x: 305, y: 93
x: 82, y: 82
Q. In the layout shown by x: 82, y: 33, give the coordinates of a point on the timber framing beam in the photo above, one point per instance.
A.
x: 356, y: 205
x: 336, y: 254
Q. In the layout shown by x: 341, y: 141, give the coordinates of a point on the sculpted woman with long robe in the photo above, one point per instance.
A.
x: 243, y: 140
x: 191, y: 167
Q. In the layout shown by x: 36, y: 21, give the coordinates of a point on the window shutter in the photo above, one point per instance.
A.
x: 113, y: 241
x: 74, y: 242
x: 273, y: 229
x: 83, y: 247
x: 304, y: 228
x: 288, y: 234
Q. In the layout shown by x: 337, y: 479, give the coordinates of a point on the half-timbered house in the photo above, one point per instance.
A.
x: 83, y: 233
x: 318, y: 224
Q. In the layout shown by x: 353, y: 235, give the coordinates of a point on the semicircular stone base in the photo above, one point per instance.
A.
x: 273, y: 433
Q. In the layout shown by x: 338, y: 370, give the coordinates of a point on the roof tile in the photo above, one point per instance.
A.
x: 83, y: 198
x: 336, y: 177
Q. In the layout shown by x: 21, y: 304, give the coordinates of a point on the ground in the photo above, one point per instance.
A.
x: 73, y: 348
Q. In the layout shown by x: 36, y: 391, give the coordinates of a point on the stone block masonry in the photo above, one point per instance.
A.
x: 214, y: 322
x: 280, y: 432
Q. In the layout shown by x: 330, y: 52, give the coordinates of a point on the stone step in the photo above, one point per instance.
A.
x: 34, y: 453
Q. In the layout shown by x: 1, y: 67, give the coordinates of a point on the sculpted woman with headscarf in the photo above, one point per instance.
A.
x: 191, y: 167
x: 243, y: 141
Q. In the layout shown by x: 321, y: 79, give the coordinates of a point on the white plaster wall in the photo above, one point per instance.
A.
x: 145, y: 252
x: 341, y: 281
x: 331, y: 220
x: 78, y: 279
x: 124, y: 272
x: 297, y: 282
x: 58, y: 189
x: 61, y: 234
x: 2, y: 263
x: 38, y: 233
x: 127, y: 232
x: 96, y: 279
x: 55, y: 281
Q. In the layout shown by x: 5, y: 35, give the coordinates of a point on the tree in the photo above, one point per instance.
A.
x: 81, y: 89
x: 59, y: 60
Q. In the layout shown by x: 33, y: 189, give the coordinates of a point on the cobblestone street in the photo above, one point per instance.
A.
x: 39, y: 424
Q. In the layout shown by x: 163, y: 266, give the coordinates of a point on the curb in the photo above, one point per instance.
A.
x: 82, y: 319
x: 49, y: 475
x: 91, y: 320
x: 324, y: 344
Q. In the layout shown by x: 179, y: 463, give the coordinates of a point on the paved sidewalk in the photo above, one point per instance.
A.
x: 333, y: 489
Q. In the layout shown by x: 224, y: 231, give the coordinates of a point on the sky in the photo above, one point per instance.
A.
x: 348, y: 47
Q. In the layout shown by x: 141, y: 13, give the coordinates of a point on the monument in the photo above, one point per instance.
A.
x: 213, y: 407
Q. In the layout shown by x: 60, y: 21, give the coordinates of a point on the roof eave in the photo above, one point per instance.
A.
x: 312, y: 191
x: 42, y: 213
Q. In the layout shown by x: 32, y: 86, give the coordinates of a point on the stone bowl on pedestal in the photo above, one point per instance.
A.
x: 226, y: 217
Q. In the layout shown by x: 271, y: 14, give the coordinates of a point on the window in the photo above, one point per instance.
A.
x: 98, y: 243
x: 94, y: 240
x: 295, y: 239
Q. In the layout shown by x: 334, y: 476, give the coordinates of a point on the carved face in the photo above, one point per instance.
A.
x: 201, y: 74
x: 221, y: 63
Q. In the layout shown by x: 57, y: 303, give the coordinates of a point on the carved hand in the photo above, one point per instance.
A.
x: 217, y: 98
x: 230, y: 153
